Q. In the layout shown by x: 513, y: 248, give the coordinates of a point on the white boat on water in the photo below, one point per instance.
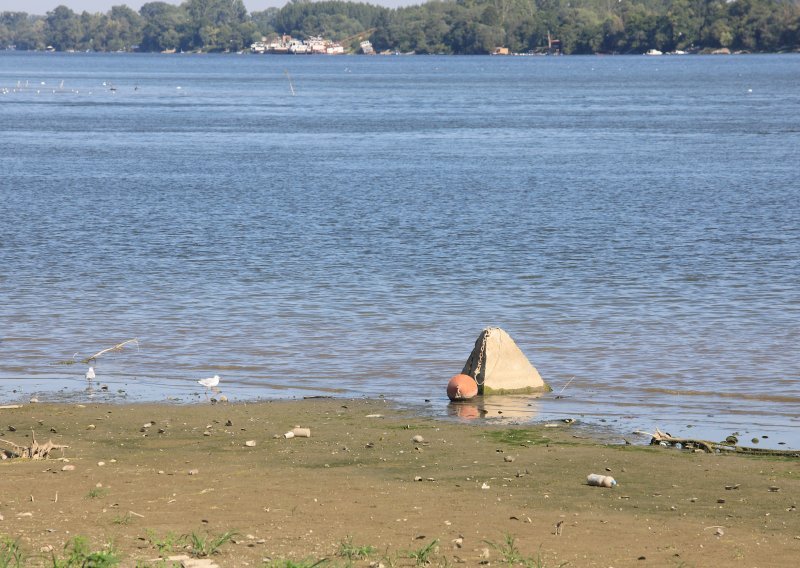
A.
x: 654, y: 52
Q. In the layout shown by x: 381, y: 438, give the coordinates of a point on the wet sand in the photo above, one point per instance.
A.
x: 362, y: 479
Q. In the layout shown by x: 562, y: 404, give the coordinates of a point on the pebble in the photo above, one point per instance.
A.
x: 774, y: 489
x: 250, y: 443
x: 101, y: 464
x: 223, y: 398
x: 485, y: 486
x: 206, y: 433
x: 418, y: 439
x: 194, y: 471
x: 68, y: 467
x: 91, y: 427
x: 508, y: 459
x: 719, y: 531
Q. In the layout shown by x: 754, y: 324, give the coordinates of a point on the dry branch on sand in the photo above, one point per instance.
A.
x: 35, y: 451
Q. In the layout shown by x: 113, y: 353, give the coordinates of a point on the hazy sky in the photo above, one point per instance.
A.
x: 41, y: 7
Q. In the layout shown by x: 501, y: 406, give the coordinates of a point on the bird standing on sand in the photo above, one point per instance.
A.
x: 210, y: 382
x: 90, y: 374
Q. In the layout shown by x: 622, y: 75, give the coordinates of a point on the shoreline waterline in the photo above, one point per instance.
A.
x: 774, y: 424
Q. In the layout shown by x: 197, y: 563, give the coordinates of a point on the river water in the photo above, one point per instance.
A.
x: 346, y: 226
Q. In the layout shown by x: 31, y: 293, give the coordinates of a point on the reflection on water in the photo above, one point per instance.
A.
x: 516, y: 408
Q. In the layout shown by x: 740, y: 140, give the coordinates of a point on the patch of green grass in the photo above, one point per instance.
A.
x: 200, y: 546
x: 352, y: 552
x: 422, y: 555
x: 96, y: 492
x: 508, y: 550
x: 11, y: 555
x: 164, y: 545
x: 518, y: 436
x: 644, y: 448
x: 125, y: 519
x: 538, y: 562
x: 78, y: 554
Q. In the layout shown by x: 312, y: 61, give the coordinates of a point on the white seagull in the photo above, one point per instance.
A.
x: 90, y: 374
x: 210, y: 382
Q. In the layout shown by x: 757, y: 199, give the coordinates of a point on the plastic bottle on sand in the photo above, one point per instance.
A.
x: 600, y: 480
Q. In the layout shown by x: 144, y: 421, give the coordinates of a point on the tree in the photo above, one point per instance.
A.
x: 124, y: 28
x: 216, y: 25
x: 63, y: 29
x: 161, y: 22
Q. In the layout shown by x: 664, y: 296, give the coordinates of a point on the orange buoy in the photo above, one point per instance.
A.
x: 462, y: 387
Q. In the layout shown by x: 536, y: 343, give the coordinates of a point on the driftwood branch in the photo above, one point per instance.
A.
x: 660, y: 438
x: 87, y: 360
x: 117, y: 347
x: 35, y: 451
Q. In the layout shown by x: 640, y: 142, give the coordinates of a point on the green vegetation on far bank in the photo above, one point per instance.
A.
x: 446, y: 26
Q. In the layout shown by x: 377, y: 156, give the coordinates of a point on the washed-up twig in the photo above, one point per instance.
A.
x: 87, y: 360
x: 566, y: 385
x: 117, y: 347
x: 10, y: 406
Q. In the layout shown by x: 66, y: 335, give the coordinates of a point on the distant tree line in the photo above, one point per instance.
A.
x: 438, y: 26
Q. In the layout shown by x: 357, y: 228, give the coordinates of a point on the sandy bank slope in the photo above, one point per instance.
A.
x: 363, y: 479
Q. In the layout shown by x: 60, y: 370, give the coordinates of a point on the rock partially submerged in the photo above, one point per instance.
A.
x: 500, y: 367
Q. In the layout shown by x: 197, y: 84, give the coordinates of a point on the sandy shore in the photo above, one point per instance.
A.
x: 481, y: 493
